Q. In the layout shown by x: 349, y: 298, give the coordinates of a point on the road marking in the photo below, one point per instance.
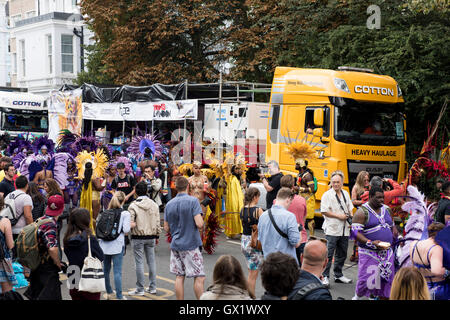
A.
x: 234, y: 242
x: 149, y: 296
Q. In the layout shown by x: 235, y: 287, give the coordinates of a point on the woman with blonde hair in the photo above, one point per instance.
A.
x: 361, y: 185
x: 114, y: 250
x: 409, y: 284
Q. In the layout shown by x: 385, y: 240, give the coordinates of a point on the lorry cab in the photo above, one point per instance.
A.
x: 352, y: 117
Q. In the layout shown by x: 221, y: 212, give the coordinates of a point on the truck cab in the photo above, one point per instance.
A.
x: 352, y: 117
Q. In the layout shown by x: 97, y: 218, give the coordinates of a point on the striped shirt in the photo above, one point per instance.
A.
x: 47, y: 233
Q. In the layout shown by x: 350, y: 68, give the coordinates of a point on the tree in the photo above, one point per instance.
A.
x: 409, y: 46
x: 165, y: 41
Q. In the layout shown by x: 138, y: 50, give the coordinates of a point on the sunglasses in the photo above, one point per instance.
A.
x: 316, y: 238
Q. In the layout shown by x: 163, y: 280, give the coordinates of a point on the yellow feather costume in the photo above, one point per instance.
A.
x: 99, y: 164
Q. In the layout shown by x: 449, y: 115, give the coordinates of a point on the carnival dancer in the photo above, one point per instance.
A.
x: 198, y: 185
x: 71, y: 190
x: 234, y: 203
x: 91, y: 167
x: 374, y: 230
x: 108, y: 192
x: 301, y: 152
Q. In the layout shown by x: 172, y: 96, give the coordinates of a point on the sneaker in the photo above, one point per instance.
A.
x: 123, y: 298
x: 151, y: 291
x: 136, y: 292
x: 343, y: 279
x: 110, y: 296
x: 326, y: 282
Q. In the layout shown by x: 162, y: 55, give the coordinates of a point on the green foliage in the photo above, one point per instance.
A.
x: 144, y: 42
x: 410, y: 46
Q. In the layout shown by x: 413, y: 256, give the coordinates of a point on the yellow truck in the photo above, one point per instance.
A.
x: 352, y: 117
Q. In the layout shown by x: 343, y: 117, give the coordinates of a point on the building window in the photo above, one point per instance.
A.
x: 49, y: 53
x: 15, y: 18
x: 67, y: 53
x: 22, y: 56
x: 30, y: 14
x: 14, y: 62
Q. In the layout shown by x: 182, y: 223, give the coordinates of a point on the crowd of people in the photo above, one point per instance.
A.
x: 84, y: 183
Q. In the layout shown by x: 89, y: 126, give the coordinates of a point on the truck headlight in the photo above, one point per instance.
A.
x: 341, y: 85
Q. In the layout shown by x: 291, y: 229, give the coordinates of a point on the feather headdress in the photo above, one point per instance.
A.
x: 185, y: 168
x: 43, y: 141
x: 65, y: 140
x: 139, y: 144
x: 301, y: 151
x: 18, y: 145
x: 416, y: 227
x: 98, y: 159
x: 85, y: 142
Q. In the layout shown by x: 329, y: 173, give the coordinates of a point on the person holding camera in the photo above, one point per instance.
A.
x: 336, y: 207
x: 391, y: 189
x: 153, y: 184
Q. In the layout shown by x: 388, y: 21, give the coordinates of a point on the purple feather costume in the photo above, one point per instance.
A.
x: 376, y: 267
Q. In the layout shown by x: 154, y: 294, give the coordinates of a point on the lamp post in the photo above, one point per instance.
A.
x: 80, y: 34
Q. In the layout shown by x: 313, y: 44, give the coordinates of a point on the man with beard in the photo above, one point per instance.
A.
x: 374, y: 230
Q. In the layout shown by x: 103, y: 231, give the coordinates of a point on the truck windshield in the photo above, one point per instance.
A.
x: 368, y: 125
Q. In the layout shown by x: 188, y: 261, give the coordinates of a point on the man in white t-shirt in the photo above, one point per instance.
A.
x: 336, y: 207
x: 23, y: 204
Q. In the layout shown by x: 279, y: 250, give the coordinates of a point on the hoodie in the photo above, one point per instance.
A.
x: 145, y: 213
x: 76, y: 249
x: 230, y: 292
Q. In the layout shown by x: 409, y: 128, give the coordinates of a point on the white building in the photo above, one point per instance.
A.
x: 45, y: 52
x: 5, y: 59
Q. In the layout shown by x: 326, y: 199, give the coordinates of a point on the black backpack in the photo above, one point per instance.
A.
x: 107, y: 227
x: 306, y: 290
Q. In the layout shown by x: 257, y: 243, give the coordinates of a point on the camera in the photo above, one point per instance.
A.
x: 263, y: 169
x: 349, y: 220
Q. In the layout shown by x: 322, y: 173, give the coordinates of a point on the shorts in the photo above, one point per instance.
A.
x: 187, y: 263
x: 254, y: 257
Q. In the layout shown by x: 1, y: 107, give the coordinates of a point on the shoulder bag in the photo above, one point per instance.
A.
x: 92, y: 277
x: 284, y: 235
x: 254, y: 242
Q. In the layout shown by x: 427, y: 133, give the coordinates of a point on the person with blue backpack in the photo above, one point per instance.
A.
x: 111, y: 226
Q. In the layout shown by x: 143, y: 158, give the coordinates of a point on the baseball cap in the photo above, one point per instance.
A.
x: 55, y: 206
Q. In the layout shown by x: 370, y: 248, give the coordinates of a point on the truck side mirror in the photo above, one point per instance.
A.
x: 318, y: 132
x: 318, y: 117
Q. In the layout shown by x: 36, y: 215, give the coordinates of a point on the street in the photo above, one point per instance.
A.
x: 166, y: 280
